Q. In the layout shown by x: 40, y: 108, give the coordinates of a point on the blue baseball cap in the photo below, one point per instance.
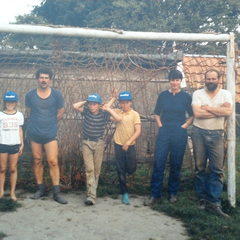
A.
x: 125, y: 95
x: 10, y: 96
x: 94, y: 97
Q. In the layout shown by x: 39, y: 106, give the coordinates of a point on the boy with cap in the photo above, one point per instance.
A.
x: 95, y: 120
x: 127, y: 131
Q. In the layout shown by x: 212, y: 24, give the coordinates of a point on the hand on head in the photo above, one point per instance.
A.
x: 115, y: 93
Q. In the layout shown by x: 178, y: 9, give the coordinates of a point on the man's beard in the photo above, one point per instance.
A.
x: 211, y: 86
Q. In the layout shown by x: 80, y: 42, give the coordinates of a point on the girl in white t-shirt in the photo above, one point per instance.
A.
x: 11, y: 141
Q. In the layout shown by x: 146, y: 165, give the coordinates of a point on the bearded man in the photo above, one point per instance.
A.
x: 211, y: 106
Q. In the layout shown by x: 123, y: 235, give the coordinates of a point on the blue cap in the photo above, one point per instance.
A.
x: 125, y: 95
x: 94, y: 97
x: 10, y: 96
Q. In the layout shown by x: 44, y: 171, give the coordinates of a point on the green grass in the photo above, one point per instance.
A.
x: 7, y: 205
x: 199, y: 223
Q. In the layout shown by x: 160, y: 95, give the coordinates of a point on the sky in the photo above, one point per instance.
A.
x: 9, y: 9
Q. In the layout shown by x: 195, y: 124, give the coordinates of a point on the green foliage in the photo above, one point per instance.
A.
x: 140, y: 15
x: 7, y: 205
x: 108, y: 190
x: 30, y: 19
x: 2, y: 235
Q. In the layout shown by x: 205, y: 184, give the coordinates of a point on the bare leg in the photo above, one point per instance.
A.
x: 38, y: 169
x: 13, y: 176
x: 37, y: 156
x: 51, y: 149
x: 3, y: 168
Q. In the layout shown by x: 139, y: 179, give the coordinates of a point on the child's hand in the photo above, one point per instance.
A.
x: 115, y: 93
x: 125, y: 147
x: 104, y: 107
x: 20, y: 150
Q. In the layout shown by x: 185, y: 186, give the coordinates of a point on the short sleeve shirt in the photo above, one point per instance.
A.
x: 9, y: 128
x: 172, y: 108
x: 200, y: 97
x: 94, y: 125
x: 43, y: 117
x: 125, y: 128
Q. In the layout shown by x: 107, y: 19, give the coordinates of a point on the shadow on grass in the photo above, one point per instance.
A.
x: 2, y: 235
x: 8, y: 205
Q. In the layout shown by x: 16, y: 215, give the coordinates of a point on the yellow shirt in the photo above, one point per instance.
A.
x: 125, y: 128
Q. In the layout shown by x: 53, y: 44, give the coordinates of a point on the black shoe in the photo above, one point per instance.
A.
x: 201, y: 204
x: 149, y: 201
x: 172, y: 198
x: 88, y: 202
x: 215, y: 208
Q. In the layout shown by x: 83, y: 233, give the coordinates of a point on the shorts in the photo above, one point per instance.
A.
x: 40, y: 140
x: 10, y: 149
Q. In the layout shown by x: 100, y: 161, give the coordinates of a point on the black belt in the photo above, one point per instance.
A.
x: 92, y: 139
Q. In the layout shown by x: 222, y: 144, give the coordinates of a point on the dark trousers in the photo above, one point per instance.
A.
x: 126, y: 162
x: 171, y: 140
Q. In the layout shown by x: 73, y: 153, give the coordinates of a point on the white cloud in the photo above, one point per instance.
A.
x: 9, y: 9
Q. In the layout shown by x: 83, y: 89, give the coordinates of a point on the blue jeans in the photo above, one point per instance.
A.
x: 171, y: 139
x: 126, y: 162
x: 208, y: 145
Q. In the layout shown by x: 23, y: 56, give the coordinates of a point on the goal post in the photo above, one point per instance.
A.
x: 155, y: 36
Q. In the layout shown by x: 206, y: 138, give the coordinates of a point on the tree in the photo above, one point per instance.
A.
x: 186, y: 16
x: 140, y: 15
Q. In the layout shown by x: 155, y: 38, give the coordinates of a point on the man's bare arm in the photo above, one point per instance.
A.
x: 28, y: 110
x: 224, y: 111
x: 200, y: 112
x: 60, y: 113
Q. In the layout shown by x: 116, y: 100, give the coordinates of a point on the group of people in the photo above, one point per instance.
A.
x: 96, y: 115
x: 45, y: 107
x: 207, y: 110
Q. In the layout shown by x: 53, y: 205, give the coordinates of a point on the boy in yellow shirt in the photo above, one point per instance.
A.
x: 127, y: 131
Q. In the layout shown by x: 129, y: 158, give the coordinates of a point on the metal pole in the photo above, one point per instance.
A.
x: 231, y: 133
x: 111, y: 33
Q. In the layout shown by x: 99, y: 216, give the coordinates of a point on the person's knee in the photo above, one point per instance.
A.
x: 89, y: 170
x: 53, y: 163
x: 3, y: 169
x: 13, y: 170
x: 37, y: 161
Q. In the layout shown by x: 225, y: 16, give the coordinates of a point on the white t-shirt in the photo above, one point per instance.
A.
x: 200, y: 97
x: 9, y: 128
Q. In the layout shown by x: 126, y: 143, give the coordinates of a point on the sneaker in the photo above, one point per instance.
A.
x: 172, y: 198
x: 125, y: 199
x: 202, y: 204
x: 149, y: 201
x: 88, y: 202
x: 215, y: 208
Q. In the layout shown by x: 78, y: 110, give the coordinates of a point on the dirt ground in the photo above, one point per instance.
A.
x: 109, y: 219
